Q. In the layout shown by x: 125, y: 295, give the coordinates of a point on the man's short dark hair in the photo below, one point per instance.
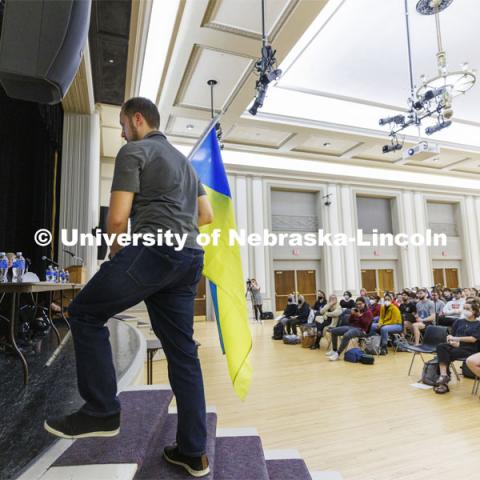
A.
x: 145, y: 107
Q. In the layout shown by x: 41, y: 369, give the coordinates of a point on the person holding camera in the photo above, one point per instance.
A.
x: 256, y: 297
x: 359, y: 325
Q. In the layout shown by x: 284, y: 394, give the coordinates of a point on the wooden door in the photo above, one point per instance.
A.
x: 438, y: 276
x: 369, y: 281
x: 307, y: 285
x: 451, y: 275
x: 284, y: 285
x: 200, y: 299
x: 385, y: 280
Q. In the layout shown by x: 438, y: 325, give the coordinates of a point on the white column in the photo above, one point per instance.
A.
x: 424, y: 259
x: 80, y: 184
x: 349, y: 227
x: 333, y: 254
x: 409, y: 254
x: 240, y: 201
x: 258, y: 226
x: 470, y: 225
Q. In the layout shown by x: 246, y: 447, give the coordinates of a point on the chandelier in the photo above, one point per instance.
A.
x: 434, y: 98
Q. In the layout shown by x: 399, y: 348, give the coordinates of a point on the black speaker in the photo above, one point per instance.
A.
x: 41, y: 47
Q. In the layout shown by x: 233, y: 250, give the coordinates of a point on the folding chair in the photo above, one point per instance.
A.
x: 434, y: 335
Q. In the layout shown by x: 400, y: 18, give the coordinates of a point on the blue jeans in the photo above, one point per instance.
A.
x: 347, y: 333
x: 385, y: 331
x: 167, y: 281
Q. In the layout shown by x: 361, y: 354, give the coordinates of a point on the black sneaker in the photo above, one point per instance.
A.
x: 383, y: 351
x: 195, y: 466
x: 81, y: 425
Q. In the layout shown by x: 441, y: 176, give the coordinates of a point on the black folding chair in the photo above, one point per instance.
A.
x: 434, y: 335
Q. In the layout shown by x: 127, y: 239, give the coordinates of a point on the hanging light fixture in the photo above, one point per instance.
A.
x: 435, y: 96
x: 218, y: 128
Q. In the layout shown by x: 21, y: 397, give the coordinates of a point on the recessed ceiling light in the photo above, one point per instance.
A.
x: 111, y: 60
x: 190, y: 126
x: 327, y: 144
x: 435, y: 159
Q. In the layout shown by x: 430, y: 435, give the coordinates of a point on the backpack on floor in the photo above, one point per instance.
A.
x: 291, y: 339
x: 278, y: 331
x: 367, y: 359
x: 308, y: 336
x: 266, y: 316
x: 430, y: 373
x: 372, y: 344
x: 353, y: 355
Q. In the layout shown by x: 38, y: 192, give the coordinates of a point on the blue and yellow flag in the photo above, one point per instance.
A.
x: 223, y: 266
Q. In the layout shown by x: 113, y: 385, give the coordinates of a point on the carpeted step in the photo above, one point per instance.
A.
x: 156, y: 467
x: 239, y: 458
x: 288, y: 469
x: 143, y: 415
x: 286, y: 465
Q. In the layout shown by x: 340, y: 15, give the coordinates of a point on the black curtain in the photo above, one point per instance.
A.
x: 30, y: 161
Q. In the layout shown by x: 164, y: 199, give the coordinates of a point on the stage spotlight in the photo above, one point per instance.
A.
x: 439, y: 126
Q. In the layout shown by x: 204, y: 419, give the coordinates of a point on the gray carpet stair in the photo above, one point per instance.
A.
x: 143, y: 414
x: 147, y: 427
x: 288, y: 469
x: 239, y: 458
x: 155, y: 466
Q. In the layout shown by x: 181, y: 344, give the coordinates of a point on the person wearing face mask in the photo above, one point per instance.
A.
x: 320, y: 302
x: 303, y: 311
x: 390, y: 322
x: 358, y: 326
x: 289, y: 312
x: 453, y: 309
x: 329, y: 316
x: 347, y: 302
x: 425, y: 315
x: 375, y: 306
x: 463, y: 342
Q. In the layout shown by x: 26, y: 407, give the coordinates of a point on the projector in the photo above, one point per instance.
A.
x: 419, y: 148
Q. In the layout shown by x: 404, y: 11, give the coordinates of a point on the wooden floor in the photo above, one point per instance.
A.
x: 365, y: 422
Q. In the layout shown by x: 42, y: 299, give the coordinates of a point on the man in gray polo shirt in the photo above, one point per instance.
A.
x: 424, y: 316
x: 157, y: 189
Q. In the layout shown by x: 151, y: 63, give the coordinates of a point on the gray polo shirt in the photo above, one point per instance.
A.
x: 165, y: 184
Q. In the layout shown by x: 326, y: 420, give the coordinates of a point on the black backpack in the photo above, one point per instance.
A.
x: 278, y: 331
x: 266, y: 316
x: 430, y: 372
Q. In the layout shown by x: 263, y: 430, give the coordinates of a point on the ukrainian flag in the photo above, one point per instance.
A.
x: 223, y: 266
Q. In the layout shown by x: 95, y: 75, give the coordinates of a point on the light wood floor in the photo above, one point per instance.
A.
x: 365, y: 422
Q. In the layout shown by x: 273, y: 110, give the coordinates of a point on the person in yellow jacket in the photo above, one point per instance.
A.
x: 390, y: 321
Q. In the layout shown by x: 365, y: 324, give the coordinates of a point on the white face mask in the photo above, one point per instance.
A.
x: 468, y: 314
x: 346, y: 297
x: 387, y: 303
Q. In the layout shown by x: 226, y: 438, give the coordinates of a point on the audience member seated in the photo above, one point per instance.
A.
x: 438, y: 304
x: 446, y: 295
x: 290, y: 311
x: 424, y: 316
x: 301, y: 317
x: 375, y: 306
x: 359, y: 324
x: 364, y: 295
x: 321, y: 302
x: 347, y: 302
x: 390, y: 322
x: 463, y: 342
x: 329, y: 316
x: 453, y: 309
x: 408, y: 308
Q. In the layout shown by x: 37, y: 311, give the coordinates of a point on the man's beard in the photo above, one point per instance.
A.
x: 134, y: 132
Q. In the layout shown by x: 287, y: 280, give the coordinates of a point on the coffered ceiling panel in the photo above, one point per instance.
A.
x: 186, y: 127
x: 257, y: 136
x: 245, y: 17
x: 227, y: 69
x: 327, y: 145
